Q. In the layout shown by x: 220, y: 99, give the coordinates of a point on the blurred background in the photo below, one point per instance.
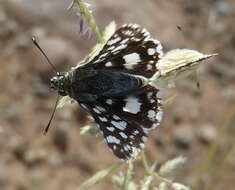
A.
x: 199, y: 123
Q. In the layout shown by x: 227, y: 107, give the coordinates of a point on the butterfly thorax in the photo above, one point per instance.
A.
x: 88, y: 85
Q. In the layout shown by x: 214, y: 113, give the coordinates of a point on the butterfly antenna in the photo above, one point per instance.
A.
x: 45, y: 130
x: 44, y: 54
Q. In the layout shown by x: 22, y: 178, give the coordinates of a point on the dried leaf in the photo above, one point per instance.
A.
x: 179, y: 58
x: 178, y: 63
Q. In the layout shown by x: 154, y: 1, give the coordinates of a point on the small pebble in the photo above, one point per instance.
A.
x: 183, y: 137
x: 206, y: 133
x: 60, y: 139
x: 82, y: 161
x: 35, y: 157
x: 18, y: 146
x: 55, y: 159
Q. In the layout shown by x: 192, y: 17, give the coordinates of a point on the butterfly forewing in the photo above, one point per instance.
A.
x: 130, y: 49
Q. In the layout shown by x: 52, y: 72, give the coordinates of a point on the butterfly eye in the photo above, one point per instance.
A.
x: 54, y: 83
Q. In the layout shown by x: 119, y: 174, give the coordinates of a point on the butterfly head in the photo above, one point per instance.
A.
x: 58, y: 83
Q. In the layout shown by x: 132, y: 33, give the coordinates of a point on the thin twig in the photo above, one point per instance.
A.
x: 90, y: 19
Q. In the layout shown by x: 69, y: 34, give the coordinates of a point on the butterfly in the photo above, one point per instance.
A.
x: 114, y: 88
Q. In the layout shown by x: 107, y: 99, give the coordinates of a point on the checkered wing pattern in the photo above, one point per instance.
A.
x: 126, y: 121
x: 130, y: 49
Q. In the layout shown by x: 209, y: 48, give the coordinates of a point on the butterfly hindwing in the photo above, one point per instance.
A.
x: 130, y: 49
x: 126, y: 121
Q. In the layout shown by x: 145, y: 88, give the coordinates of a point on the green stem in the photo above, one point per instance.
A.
x: 145, y: 164
x: 150, y: 172
x: 90, y: 19
x: 127, y: 175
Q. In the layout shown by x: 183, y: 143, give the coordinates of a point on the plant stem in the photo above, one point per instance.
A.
x: 150, y: 172
x: 90, y: 19
x: 127, y: 175
x: 145, y: 164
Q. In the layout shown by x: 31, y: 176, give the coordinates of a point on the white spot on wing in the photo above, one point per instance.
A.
x: 151, y: 113
x: 127, y: 32
x: 103, y: 119
x: 109, y: 101
x: 112, y: 139
x: 142, y: 145
x: 108, y: 64
x: 126, y: 148
x: 159, y: 49
x: 152, y: 100
x: 113, y: 41
x: 151, y: 51
x: 144, y: 138
x: 103, y: 55
x: 111, y: 47
x: 120, y: 47
x: 133, y: 58
x: 129, y: 66
x: 111, y: 129
x: 84, y: 106
x: 154, y: 126
x: 145, y: 32
x: 136, y: 132
x: 135, y: 26
x: 100, y: 108
x: 116, y: 117
x: 124, y: 41
x: 96, y: 110
x: 149, y: 67
x: 149, y: 95
x: 132, y: 105
x: 123, y: 135
x: 159, y: 115
x: 120, y: 125
x: 135, y: 39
